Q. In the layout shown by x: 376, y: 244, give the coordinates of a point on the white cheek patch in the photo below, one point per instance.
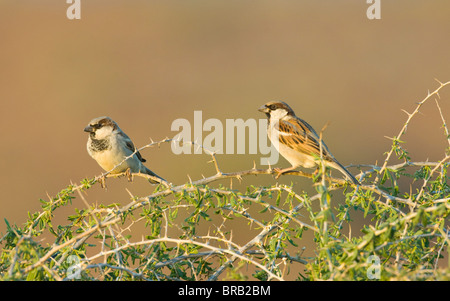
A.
x: 103, y: 132
x: 278, y: 114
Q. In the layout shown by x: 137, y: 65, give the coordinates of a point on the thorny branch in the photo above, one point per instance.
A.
x: 405, y: 126
x: 109, y: 227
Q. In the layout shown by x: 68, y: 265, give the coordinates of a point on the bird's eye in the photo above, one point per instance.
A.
x: 273, y: 107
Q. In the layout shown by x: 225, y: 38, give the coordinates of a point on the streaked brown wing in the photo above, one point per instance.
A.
x: 299, y: 135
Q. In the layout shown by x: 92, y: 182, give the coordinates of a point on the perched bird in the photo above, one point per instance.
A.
x: 296, y: 140
x: 109, y: 146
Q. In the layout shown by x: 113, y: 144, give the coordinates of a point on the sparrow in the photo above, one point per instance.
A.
x: 109, y: 146
x: 296, y: 140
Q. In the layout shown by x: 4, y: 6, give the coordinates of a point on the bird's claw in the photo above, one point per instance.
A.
x: 102, y: 182
x: 278, y: 172
x: 129, y: 175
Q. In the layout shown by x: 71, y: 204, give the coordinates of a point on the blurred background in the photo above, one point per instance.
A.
x: 148, y: 63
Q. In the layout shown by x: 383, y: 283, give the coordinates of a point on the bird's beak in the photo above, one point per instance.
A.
x: 89, y: 129
x: 264, y: 109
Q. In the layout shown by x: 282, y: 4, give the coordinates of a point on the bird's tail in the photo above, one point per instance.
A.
x: 342, y: 169
x: 156, y: 179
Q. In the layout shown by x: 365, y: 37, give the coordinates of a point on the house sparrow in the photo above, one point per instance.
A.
x: 296, y: 140
x: 109, y: 146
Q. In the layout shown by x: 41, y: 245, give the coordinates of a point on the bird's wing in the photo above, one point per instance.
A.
x: 129, y: 145
x: 299, y: 135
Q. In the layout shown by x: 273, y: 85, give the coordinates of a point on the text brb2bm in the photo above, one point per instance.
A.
x: 245, y: 290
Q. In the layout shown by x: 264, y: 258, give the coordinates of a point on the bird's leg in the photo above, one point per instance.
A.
x: 129, y: 175
x: 102, y: 181
x: 280, y: 171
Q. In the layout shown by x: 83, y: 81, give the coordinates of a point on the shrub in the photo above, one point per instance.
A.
x: 187, y: 232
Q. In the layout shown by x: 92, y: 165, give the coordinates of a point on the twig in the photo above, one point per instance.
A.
x: 444, y: 123
x: 405, y: 126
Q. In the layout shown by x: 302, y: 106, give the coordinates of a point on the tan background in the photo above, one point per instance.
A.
x: 147, y: 63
